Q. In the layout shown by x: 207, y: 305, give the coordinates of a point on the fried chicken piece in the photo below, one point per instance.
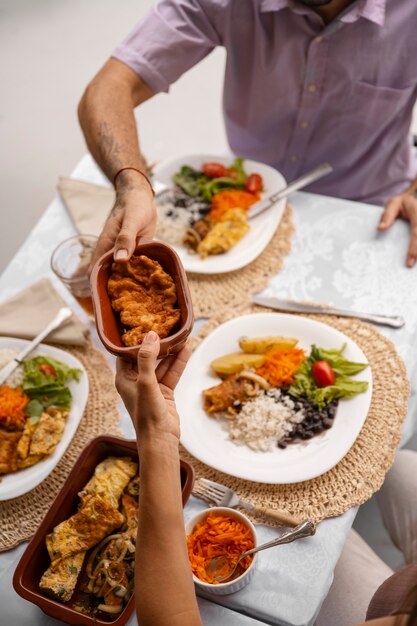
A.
x: 144, y: 295
x: 161, y: 323
x: 44, y: 437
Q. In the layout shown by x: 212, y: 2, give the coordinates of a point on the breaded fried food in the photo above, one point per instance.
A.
x: 83, y: 530
x: 145, y: 296
x: 9, y: 441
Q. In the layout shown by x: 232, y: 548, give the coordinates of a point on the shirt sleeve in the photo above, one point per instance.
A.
x: 169, y: 40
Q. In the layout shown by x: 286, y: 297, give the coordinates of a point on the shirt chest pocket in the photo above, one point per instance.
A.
x: 372, y: 108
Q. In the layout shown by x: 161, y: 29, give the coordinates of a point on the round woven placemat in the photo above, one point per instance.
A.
x: 20, y: 517
x: 361, y: 472
x: 210, y: 292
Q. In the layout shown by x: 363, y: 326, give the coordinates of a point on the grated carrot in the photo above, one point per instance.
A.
x: 281, y: 365
x: 230, y: 199
x: 214, y: 536
x: 12, y: 406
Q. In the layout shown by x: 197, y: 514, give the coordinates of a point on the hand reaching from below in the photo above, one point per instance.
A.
x: 148, y: 393
x: 404, y: 205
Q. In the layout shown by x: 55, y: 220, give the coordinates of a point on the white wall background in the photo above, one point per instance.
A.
x: 49, y: 50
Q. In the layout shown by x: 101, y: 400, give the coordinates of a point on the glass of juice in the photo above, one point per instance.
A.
x: 70, y: 262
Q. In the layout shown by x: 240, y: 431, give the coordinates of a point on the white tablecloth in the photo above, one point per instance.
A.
x: 337, y: 258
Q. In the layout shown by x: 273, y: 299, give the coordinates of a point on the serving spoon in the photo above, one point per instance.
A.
x: 226, y: 567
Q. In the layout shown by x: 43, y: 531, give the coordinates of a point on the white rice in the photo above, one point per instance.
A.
x: 264, y: 421
x: 174, y: 220
x: 16, y: 378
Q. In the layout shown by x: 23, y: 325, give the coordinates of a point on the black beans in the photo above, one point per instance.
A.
x: 315, y: 420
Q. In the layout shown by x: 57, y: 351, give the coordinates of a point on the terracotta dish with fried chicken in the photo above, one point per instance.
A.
x: 145, y: 297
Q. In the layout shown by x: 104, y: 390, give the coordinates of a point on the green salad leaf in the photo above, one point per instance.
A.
x: 197, y: 184
x: 344, y: 386
x: 44, y: 382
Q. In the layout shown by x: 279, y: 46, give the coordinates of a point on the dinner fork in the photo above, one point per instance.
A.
x: 219, y: 495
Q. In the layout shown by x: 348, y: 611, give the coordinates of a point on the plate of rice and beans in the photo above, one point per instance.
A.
x: 274, y: 398
x: 202, y: 212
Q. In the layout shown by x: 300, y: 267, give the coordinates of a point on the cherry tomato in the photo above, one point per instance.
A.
x: 254, y: 183
x: 47, y: 369
x: 214, y: 170
x: 323, y: 374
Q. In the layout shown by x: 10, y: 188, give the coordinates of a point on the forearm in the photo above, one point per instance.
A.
x: 164, y: 588
x: 106, y: 115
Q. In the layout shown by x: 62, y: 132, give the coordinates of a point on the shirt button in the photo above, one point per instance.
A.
x: 312, y: 88
x: 293, y: 157
x: 304, y: 124
x: 318, y: 39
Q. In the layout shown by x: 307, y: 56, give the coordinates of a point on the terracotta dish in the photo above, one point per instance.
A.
x: 109, y: 327
x: 35, y: 560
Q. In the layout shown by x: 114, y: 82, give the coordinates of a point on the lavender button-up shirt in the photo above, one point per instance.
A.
x: 296, y: 91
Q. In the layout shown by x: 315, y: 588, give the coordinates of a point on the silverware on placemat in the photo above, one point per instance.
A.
x: 219, y: 495
x: 62, y: 315
x: 396, y: 321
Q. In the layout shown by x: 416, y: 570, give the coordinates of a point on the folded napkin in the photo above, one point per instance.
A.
x: 28, y: 312
x: 88, y: 204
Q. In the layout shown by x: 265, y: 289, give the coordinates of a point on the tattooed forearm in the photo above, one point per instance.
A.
x: 110, y: 149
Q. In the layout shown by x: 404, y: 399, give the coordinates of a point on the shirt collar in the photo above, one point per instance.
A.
x: 372, y: 10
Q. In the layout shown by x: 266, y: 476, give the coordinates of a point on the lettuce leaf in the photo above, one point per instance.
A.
x: 344, y: 386
x: 45, y: 389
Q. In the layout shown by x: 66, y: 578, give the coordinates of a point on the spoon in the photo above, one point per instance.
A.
x: 224, y: 564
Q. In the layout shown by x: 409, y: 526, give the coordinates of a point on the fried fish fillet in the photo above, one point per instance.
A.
x: 83, y: 530
x: 225, y: 233
x: 110, y: 478
x: 59, y: 581
x: 144, y: 295
x: 9, y: 441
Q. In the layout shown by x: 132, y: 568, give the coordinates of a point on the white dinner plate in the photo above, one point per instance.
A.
x: 20, y: 482
x: 204, y: 437
x: 262, y: 227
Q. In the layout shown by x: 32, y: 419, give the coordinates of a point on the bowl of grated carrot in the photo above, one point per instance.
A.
x: 214, y: 532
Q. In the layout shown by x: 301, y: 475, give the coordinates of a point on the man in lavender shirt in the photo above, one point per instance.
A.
x: 306, y: 81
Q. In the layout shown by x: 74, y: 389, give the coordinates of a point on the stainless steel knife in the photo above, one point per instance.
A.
x: 62, y: 315
x: 292, y: 306
x: 299, y: 183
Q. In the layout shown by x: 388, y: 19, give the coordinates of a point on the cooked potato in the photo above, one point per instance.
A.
x: 259, y: 345
x: 236, y: 362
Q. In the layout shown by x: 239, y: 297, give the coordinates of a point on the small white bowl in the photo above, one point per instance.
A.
x: 222, y: 589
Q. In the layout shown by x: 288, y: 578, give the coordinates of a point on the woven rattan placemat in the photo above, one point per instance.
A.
x: 361, y: 472
x: 20, y: 517
x: 210, y: 292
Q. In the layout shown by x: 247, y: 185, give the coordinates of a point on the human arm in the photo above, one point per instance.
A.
x: 108, y: 122
x: 403, y: 205
x: 164, y: 588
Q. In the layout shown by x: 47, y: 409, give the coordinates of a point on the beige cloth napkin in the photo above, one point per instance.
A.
x: 88, y: 204
x: 28, y: 312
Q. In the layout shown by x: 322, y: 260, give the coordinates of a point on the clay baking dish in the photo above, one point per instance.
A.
x: 35, y: 559
x: 108, y: 324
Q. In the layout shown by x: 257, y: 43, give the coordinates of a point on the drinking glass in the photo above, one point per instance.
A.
x: 70, y: 262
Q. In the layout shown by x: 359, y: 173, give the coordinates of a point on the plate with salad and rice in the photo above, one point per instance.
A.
x: 41, y: 405
x: 202, y: 212
x: 274, y: 398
